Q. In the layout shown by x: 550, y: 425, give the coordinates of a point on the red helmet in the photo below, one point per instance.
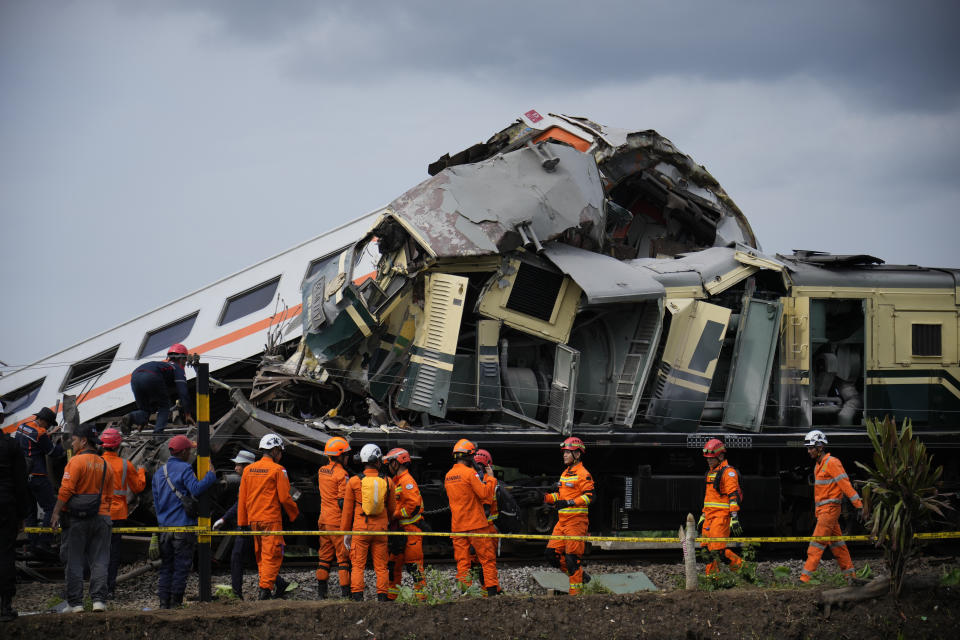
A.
x: 400, y: 455
x: 573, y: 444
x: 713, y: 448
x: 336, y: 446
x: 111, y: 438
x: 177, y: 351
x: 464, y: 447
x: 483, y: 457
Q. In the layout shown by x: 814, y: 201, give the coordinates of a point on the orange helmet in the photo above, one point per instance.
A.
x: 400, y: 455
x: 483, y: 457
x: 111, y: 438
x: 177, y: 351
x: 336, y: 446
x: 464, y: 447
x: 573, y: 444
x: 713, y: 448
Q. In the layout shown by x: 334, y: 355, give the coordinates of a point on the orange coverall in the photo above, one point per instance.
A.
x: 717, y: 507
x: 264, y: 489
x: 467, y: 493
x: 125, y: 484
x: 575, y: 484
x: 332, y: 479
x: 354, y: 519
x: 831, y: 483
x: 408, y: 513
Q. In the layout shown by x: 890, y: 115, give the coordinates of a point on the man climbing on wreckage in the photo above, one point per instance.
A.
x: 153, y: 383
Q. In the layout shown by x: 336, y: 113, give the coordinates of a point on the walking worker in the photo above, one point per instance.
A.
x: 264, y: 491
x: 467, y: 494
x: 367, y: 505
x: 33, y: 436
x: 481, y: 460
x: 128, y: 481
x: 405, y: 551
x: 173, y: 484
x: 572, y: 498
x: 721, y: 506
x: 831, y: 483
x: 13, y: 509
x: 240, y: 462
x: 332, y: 480
x: 153, y: 383
x: 86, y: 495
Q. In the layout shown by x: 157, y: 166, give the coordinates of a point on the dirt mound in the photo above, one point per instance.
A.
x: 782, y: 614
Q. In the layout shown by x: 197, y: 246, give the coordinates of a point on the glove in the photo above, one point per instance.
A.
x: 346, y: 542
x: 700, y: 522
x: 563, y: 504
x: 548, y: 498
x: 860, y: 517
x: 735, y: 527
x: 218, y: 523
x: 154, y: 552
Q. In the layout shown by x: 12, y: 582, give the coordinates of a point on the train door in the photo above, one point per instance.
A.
x: 688, y: 364
x: 837, y: 338
x: 752, y: 364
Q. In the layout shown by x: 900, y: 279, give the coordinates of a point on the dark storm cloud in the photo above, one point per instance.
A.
x: 886, y: 53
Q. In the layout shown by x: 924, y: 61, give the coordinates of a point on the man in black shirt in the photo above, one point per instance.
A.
x: 13, y: 509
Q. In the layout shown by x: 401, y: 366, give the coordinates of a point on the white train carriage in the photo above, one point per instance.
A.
x: 225, y: 322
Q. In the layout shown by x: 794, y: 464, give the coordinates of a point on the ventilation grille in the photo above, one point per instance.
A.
x: 424, y: 386
x: 317, y: 316
x: 535, y: 292
x: 927, y: 340
x: 558, y: 403
x: 439, y: 303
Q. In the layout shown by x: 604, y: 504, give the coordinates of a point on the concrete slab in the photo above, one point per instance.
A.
x: 615, y: 582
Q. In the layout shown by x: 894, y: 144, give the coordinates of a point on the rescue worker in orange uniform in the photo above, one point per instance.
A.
x: 264, y: 491
x: 831, y: 483
x: 467, y: 494
x: 87, y: 538
x: 573, y: 497
x: 405, y: 551
x: 332, y: 479
x: 356, y: 518
x: 128, y: 480
x: 481, y: 460
x: 721, y: 507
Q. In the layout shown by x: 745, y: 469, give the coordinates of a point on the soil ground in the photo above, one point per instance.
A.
x: 738, y: 613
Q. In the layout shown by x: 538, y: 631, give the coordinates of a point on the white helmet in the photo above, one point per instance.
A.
x: 370, y: 453
x: 271, y: 441
x: 815, y: 438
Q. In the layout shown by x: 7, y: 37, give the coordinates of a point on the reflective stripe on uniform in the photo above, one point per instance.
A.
x: 838, y: 543
x: 416, y: 518
x: 842, y: 476
x: 813, y: 543
x: 805, y: 572
x: 717, y: 505
x: 574, y: 510
x: 828, y: 501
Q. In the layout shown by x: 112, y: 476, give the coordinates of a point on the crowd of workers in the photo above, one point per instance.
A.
x: 97, y: 488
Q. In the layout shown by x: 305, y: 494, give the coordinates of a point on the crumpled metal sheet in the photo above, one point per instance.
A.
x: 604, y: 280
x: 473, y: 210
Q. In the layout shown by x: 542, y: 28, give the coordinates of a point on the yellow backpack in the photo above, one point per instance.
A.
x: 373, y: 492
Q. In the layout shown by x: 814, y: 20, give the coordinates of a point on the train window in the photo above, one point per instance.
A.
x: 316, y: 266
x: 927, y: 340
x: 160, y: 339
x: 93, y: 366
x: 22, y: 397
x: 246, y: 302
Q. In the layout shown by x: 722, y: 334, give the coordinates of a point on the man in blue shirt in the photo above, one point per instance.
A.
x: 153, y: 383
x: 176, y: 549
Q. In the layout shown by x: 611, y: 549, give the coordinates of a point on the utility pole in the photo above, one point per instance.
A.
x: 203, y: 465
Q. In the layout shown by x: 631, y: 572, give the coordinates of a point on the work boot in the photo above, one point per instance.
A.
x: 493, y: 591
x: 6, y: 609
x: 321, y: 589
x: 165, y: 604
x: 264, y: 594
x: 382, y: 597
x: 280, y: 588
x: 586, y: 577
x: 176, y: 600
x: 125, y: 424
x: 357, y: 595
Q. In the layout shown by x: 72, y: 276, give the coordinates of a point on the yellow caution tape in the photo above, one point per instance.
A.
x: 205, y: 532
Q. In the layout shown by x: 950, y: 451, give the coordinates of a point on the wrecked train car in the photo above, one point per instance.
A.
x: 568, y: 278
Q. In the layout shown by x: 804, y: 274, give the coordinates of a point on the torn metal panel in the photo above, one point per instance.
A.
x: 472, y: 210
x: 604, y: 280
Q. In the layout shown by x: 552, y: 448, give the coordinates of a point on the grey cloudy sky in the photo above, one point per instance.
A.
x: 150, y: 148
